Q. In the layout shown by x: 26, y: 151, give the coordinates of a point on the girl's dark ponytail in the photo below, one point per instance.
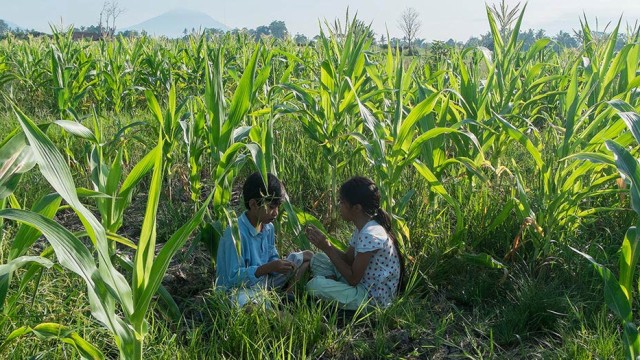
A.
x: 382, y: 218
x: 361, y: 190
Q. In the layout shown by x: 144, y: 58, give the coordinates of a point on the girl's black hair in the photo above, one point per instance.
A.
x: 362, y: 191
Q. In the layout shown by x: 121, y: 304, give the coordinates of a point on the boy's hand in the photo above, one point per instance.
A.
x: 316, y: 237
x: 282, y: 266
x: 275, y: 266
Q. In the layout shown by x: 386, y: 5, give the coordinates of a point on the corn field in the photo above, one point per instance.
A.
x: 503, y: 162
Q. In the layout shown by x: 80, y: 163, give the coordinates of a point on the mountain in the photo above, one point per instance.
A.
x: 173, y: 23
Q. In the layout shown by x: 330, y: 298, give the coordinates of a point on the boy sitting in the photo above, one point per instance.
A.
x: 258, y: 267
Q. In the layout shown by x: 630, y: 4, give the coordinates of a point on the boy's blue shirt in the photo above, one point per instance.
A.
x: 258, y: 248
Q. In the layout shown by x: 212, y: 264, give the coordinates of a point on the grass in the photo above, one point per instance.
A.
x: 540, y: 305
x: 454, y: 309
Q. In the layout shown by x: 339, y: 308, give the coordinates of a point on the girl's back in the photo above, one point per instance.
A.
x: 382, y: 275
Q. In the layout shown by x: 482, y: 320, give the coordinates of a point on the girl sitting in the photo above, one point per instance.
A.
x: 372, y: 268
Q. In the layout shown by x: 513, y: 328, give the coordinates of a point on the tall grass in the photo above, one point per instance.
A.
x: 479, y: 161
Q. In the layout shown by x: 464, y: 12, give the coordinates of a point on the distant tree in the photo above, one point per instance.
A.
x: 565, y: 40
x: 93, y: 29
x: 4, y: 27
x: 472, y: 42
x: 527, y: 38
x: 130, y: 34
x: 109, y: 14
x: 395, y: 42
x: 486, y: 40
x: 213, y: 32
x: 409, y: 24
x: 278, y: 29
x: 540, y: 34
x: 420, y: 43
x: 262, y: 30
x: 621, y: 41
x: 301, y: 39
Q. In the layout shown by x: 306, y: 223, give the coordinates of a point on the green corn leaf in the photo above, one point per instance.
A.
x: 135, y: 176
x: 613, y: 293
x: 147, y: 243
x: 518, y: 136
x: 111, y: 236
x: 25, y: 237
x: 502, y: 215
x: 16, y: 159
x: 630, y: 116
x: 498, y: 43
x: 258, y: 157
x: 73, y: 255
x: 628, y: 167
x: 55, y: 170
x: 173, y: 311
x: 436, y: 186
x: 76, y: 129
x: 47, y: 206
x: 152, y: 102
x: 416, y: 145
x: 242, y: 99
x: 56, y: 331
x: 629, y: 254
x: 483, y: 259
x: 513, y: 38
x: 631, y: 340
x: 161, y: 263
x: 7, y: 269
x: 597, y: 158
x: 299, y: 219
x: 418, y: 112
x: 214, y: 94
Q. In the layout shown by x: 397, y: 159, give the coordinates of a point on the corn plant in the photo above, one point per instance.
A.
x: 216, y: 129
x: 105, y: 285
x: 105, y: 163
x: 16, y: 159
x: 619, y: 293
x: 327, y: 112
x: 72, y: 73
x: 394, y: 146
x: 574, y: 122
x: 224, y: 132
x: 5, y: 75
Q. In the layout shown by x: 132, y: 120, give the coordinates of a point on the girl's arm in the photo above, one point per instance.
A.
x: 351, y: 267
x: 352, y: 273
x: 347, y: 256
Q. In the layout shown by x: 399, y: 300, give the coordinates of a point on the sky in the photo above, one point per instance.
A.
x: 441, y: 19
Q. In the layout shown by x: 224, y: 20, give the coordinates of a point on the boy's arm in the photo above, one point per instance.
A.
x: 273, y: 252
x: 274, y: 264
x: 230, y: 268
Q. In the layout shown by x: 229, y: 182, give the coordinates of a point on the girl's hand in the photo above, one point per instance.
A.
x: 316, y: 237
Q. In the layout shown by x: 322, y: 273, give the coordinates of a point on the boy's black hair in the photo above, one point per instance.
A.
x: 254, y: 188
